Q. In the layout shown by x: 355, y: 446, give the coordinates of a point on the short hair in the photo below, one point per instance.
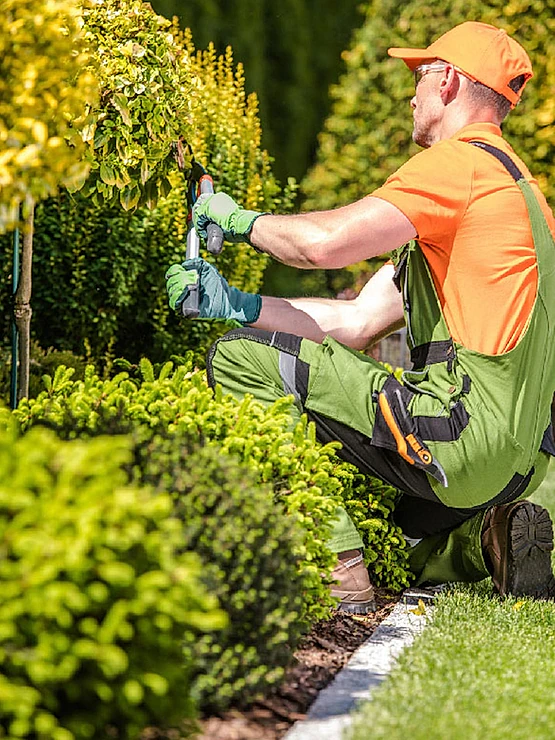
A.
x: 484, y: 96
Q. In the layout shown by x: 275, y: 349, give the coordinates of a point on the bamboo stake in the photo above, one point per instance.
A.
x: 22, y: 308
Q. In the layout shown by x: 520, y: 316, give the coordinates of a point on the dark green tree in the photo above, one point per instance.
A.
x: 291, y: 52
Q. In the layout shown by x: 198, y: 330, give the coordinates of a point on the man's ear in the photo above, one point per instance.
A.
x: 450, y: 84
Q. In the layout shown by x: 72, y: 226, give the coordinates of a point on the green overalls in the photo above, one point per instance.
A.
x: 462, y: 430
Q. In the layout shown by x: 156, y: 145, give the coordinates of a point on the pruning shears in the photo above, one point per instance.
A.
x: 199, y: 182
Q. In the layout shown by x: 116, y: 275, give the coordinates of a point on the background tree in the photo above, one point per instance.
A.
x: 44, y: 90
x: 368, y: 134
x: 291, y: 52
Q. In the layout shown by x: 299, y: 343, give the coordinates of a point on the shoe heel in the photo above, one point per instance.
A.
x: 531, y: 529
x: 531, y: 537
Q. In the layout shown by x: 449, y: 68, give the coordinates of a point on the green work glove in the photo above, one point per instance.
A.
x: 179, y: 283
x: 217, y: 299
x: 219, y: 208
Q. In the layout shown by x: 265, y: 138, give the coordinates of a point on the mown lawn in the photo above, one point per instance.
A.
x: 483, y: 669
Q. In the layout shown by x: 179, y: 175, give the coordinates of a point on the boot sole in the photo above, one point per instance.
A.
x: 355, y: 602
x: 362, y: 607
x: 529, y: 556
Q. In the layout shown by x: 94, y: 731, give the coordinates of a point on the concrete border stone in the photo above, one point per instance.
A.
x: 332, y: 711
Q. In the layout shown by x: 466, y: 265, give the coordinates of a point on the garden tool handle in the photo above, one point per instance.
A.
x: 189, y: 307
x: 214, y: 233
x: 214, y: 244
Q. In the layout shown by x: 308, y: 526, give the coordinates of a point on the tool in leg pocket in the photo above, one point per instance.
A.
x: 396, y: 429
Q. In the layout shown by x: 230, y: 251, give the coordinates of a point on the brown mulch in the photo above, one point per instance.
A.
x: 320, y: 655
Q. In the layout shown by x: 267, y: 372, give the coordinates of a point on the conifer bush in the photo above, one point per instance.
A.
x: 302, y: 473
x: 308, y: 478
x: 97, y: 594
x: 251, y: 551
x: 257, y: 499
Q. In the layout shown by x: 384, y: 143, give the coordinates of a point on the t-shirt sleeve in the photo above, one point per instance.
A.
x: 432, y: 189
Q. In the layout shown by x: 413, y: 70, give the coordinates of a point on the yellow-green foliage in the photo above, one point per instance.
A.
x: 98, y: 594
x: 301, y: 472
x: 144, y: 103
x: 44, y: 90
x: 112, y: 263
x: 308, y: 478
x: 368, y: 134
x: 226, y: 137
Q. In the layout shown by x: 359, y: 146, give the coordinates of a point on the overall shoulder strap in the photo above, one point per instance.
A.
x: 505, y: 160
x: 543, y: 239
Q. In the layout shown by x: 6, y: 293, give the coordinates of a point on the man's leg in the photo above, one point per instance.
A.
x: 269, y: 366
x: 510, y: 542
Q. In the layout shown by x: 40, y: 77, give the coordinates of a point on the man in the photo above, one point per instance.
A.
x: 466, y: 434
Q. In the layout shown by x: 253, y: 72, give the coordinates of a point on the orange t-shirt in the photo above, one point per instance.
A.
x: 473, y: 228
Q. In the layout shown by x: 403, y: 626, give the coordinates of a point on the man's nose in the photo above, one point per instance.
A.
x: 413, y: 102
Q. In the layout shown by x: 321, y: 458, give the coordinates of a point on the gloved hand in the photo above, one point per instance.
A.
x: 217, y: 299
x: 221, y: 209
x: 178, y: 284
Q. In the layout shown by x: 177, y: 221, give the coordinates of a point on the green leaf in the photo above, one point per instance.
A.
x: 107, y: 174
x: 129, y: 198
x: 120, y: 103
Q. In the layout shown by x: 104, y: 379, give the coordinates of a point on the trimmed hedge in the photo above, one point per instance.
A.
x: 98, y: 594
x: 308, y: 478
x: 260, y: 561
x: 302, y: 473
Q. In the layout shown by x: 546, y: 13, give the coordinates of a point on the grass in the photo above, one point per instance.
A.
x: 483, y: 669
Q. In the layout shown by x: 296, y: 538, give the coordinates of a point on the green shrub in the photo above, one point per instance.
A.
x: 251, y: 551
x: 97, y: 594
x: 307, y: 477
x: 42, y: 362
x: 302, y: 473
x: 99, y: 271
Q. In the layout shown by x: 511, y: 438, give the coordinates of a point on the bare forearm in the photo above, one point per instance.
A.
x: 314, y: 319
x: 357, y: 323
x: 333, y: 239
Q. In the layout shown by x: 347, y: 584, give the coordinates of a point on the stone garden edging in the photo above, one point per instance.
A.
x: 369, y: 665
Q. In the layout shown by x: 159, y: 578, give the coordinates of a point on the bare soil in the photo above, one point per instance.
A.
x: 321, y: 654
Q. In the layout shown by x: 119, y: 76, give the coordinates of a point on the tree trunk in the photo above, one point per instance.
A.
x: 22, y: 309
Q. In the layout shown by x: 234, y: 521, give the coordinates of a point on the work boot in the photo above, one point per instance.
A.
x: 353, y: 586
x: 517, y: 540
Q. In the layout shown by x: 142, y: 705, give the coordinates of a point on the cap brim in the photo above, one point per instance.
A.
x: 411, y: 57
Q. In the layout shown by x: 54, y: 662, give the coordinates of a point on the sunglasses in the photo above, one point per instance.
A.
x: 423, y: 69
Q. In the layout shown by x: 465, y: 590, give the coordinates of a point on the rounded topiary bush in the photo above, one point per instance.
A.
x: 97, y: 594
x: 250, y: 548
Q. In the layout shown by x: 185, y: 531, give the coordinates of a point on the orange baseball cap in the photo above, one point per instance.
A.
x: 485, y: 53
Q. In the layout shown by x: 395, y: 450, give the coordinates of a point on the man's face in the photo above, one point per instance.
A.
x: 427, y: 105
